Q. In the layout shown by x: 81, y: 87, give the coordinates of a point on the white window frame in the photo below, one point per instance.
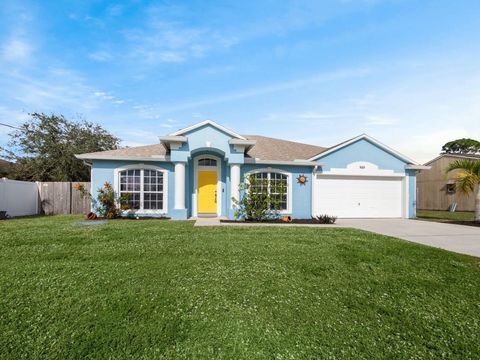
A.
x: 288, y: 210
x: 143, y: 167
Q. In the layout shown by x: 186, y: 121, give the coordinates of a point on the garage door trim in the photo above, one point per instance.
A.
x: 393, y: 177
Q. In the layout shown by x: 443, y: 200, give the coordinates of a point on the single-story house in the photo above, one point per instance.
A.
x: 197, y: 171
x: 436, y: 189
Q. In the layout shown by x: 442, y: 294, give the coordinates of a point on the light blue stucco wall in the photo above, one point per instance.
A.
x: 225, y: 184
x: 362, y: 150
x: 197, y: 143
x: 104, y: 171
x: 301, y: 194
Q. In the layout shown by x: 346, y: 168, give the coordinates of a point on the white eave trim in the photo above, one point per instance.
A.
x: 169, y: 138
x: 281, y: 162
x: 133, y: 158
x: 370, y: 139
x: 207, y: 122
x: 242, y: 142
x: 417, y: 167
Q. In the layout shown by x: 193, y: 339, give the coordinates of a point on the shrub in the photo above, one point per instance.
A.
x: 325, y: 219
x: 256, y: 203
x: 107, y: 204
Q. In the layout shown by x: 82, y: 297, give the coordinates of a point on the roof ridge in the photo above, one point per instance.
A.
x: 279, y: 139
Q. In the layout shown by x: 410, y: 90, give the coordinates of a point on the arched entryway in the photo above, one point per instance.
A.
x: 207, y: 187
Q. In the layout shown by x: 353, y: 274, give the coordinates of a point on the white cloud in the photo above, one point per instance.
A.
x: 17, y: 50
x: 100, y: 56
x: 272, y: 88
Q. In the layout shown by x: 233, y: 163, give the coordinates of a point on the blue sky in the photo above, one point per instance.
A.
x: 405, y: 72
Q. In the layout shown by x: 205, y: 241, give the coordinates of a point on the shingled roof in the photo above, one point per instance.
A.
x: 145, y: 151
x: 266, y: 148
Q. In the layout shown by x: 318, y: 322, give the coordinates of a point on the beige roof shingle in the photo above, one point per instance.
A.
x: 136, y: 151
x: 266, y: 148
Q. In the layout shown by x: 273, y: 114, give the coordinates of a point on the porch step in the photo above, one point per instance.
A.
x: 207, y: 221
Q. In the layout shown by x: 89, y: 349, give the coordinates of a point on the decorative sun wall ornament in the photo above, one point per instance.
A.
x: 302, y: 179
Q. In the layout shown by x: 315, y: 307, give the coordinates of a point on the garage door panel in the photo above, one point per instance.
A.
x: 357, y: 197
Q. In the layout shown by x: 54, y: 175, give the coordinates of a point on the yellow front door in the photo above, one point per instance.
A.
x: 207, y: 192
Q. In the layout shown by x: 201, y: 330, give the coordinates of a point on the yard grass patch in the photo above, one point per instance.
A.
x: 440, y: 215
x: 153, y: 289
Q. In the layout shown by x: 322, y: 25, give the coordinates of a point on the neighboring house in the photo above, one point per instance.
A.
x: 4, y: 168
x: 436, y: 189
x: 197, y: 170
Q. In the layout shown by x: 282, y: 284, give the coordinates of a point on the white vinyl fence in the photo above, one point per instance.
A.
x: 19, y: 198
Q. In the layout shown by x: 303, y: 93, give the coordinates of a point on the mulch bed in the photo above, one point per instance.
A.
x: 278, y: 221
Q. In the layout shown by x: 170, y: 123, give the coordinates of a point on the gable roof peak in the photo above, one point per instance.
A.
x: 207, y: 122
x: 371, y: 140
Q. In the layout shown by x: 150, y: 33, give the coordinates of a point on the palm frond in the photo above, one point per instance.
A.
x: 468, y: 175
x: 470, y: 166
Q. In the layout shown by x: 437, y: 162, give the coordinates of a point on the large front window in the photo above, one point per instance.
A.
x: 144, y: 188
x: 274, y: 184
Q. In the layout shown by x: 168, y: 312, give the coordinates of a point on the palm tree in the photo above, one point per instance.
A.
x: 467, y: 179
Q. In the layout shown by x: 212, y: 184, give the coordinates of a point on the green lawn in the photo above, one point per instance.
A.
x: 445, y: 215
x: 161, y: 289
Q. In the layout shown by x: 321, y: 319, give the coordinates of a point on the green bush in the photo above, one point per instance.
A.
x: 256, y: 201
x: 107, y: 204
x: 325, y: 219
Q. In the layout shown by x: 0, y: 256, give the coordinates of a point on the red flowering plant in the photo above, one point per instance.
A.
x: 107, y: 204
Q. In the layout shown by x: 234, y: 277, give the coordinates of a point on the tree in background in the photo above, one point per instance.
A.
x: 468, y: 179
x: 462, y: 146
x: 43, y: 148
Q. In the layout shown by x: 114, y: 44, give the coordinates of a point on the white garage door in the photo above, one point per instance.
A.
x: 358, y: 197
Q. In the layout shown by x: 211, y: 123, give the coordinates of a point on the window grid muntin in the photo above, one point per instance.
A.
x: 147, y: 195
x: 269, y: 179
x: 208, y: 162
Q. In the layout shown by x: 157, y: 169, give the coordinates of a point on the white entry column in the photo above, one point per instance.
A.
x: 234, y: 182
x: 180, y: 185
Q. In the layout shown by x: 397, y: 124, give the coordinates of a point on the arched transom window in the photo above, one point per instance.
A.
x: 275, y: 184
x: 145, y: 188
x: 207, y: 162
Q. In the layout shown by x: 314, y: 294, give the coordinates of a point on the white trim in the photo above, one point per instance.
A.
x: 417, y: 167
x: 140, y: 166
x: 179, y: 196
x: 207, y: 122
x: 406, y: 195
x: 289, y: 184
x: 361, y: 168
x: 195, y: 182
x: 159, y: 158
x: 169, y: 138
x: 281, y: 162
x: 396, y: 177
x: 234, y: 183
x: 370, y: 139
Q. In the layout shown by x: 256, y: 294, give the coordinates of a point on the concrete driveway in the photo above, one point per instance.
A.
x: 457, y: 238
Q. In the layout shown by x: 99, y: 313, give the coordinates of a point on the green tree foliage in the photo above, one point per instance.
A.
x: 462, y: 146
x: 468, y: 179
x: 43, y: 148
x: 256, y: 201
